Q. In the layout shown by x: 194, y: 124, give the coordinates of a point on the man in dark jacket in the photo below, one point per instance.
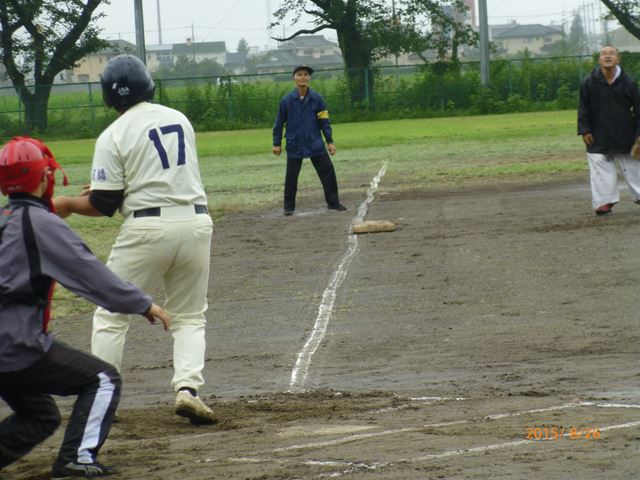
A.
x: 37, y: 249
x: 305, y: 114
x: 609, y: 122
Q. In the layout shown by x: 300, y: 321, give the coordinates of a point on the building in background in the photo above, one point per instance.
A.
x: 497, y: 30
x: 623, y: 40
x: 89, y: 68
x: 159, y: 56
x: 470, y: 16
x: 515, y: 40
x: 313, y: 50
x: 216, y: 51
x: 236, y: 63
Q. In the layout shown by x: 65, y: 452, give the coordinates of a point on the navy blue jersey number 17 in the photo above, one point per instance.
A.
x: 157, y: 142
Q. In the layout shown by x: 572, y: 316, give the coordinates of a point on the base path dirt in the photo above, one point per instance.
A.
x: 493, y: 334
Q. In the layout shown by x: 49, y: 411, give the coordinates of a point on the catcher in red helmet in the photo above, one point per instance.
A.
x: 37, y: 248
x: 24, y: 163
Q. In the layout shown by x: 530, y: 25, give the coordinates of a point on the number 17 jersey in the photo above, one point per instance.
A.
x: 150, y: 153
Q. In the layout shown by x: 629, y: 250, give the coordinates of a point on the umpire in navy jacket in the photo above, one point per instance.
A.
x: 305, y: 114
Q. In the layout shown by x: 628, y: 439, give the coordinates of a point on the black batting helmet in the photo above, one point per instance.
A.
x: 126, y: 81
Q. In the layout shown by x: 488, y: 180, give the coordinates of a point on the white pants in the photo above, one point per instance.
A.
x: 171, y: 251
x: 604, y: 177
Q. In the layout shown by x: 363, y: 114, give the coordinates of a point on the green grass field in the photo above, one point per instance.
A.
x: 240, y: 173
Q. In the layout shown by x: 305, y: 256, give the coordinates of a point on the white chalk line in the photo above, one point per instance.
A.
x: 498, y: 446
x: 449, y: 453
x: 350, y: 466
x: 416, y: 401
x: 351, y: 438
x: 301, y: 368
x: 361, y: 436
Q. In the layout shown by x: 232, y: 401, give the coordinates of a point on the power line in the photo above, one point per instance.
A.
x: 224, y: 17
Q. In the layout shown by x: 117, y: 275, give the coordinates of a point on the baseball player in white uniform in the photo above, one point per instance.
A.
x: 146, y: 165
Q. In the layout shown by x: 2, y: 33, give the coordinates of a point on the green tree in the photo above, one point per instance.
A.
x: 573, y: 44
x: 243, y: 47
x: 436, y: 26
x: 41, y: 38
x: 368, y: 30
x: 628, y: 14
x: 577, y: 41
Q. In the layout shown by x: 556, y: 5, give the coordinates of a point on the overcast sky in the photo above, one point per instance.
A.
x: 231, y: 20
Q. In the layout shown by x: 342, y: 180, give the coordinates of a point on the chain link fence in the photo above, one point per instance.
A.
x: 389, y: 92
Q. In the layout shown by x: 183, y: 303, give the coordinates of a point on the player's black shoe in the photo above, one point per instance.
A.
x: 337, y: 206
x: 85, y: 470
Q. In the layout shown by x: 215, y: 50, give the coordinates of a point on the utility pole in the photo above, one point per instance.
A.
x: 605, y: 26
x: 394, y: 26
x: 140, y: 47
x: 589, y: 22
x: 594, y: 23
x: 193, y: 42
x: 484, y: 42
x: 269, y: 28
x: 159, y: 23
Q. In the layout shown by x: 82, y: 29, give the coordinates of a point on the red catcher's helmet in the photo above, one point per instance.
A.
x: 22, y: 163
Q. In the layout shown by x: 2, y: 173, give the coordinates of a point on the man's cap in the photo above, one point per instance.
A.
x: 303, y: 67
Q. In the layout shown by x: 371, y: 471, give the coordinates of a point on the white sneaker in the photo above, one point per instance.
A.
x: 193, y: 408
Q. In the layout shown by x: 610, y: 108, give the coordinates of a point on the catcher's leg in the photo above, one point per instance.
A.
x: 35, y: 418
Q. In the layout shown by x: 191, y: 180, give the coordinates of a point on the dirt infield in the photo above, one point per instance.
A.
x: 494, y: 334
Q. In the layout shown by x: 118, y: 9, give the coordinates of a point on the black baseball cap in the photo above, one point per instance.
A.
x: 303, y: 67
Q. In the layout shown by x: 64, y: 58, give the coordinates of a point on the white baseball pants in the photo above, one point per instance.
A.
x: 604, y: 177
x: 171, y: 251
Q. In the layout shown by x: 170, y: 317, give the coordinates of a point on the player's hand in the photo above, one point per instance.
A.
x: 156, y: 312
x: 332, y: 148
x: 86, y: 190
x: 277, y: 150
x: 635, y: 150
x: 587, y: 138
x: 62, y: 206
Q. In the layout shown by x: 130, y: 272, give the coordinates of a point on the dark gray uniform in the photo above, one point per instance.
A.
x: 36, y: 249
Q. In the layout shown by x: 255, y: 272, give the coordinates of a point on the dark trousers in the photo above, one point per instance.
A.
x: 326, y: 173
x: 62, y: 371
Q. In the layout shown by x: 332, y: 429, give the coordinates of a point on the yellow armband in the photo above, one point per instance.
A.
x: 323, y: 115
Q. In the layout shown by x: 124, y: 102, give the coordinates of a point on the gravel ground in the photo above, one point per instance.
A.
x: 494, y: 334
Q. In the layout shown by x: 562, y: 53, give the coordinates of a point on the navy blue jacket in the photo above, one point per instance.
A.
x: 611, y: 113
x: 304, y: 118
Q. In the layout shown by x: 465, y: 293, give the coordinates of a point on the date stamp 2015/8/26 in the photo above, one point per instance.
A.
x: 558, y: 433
